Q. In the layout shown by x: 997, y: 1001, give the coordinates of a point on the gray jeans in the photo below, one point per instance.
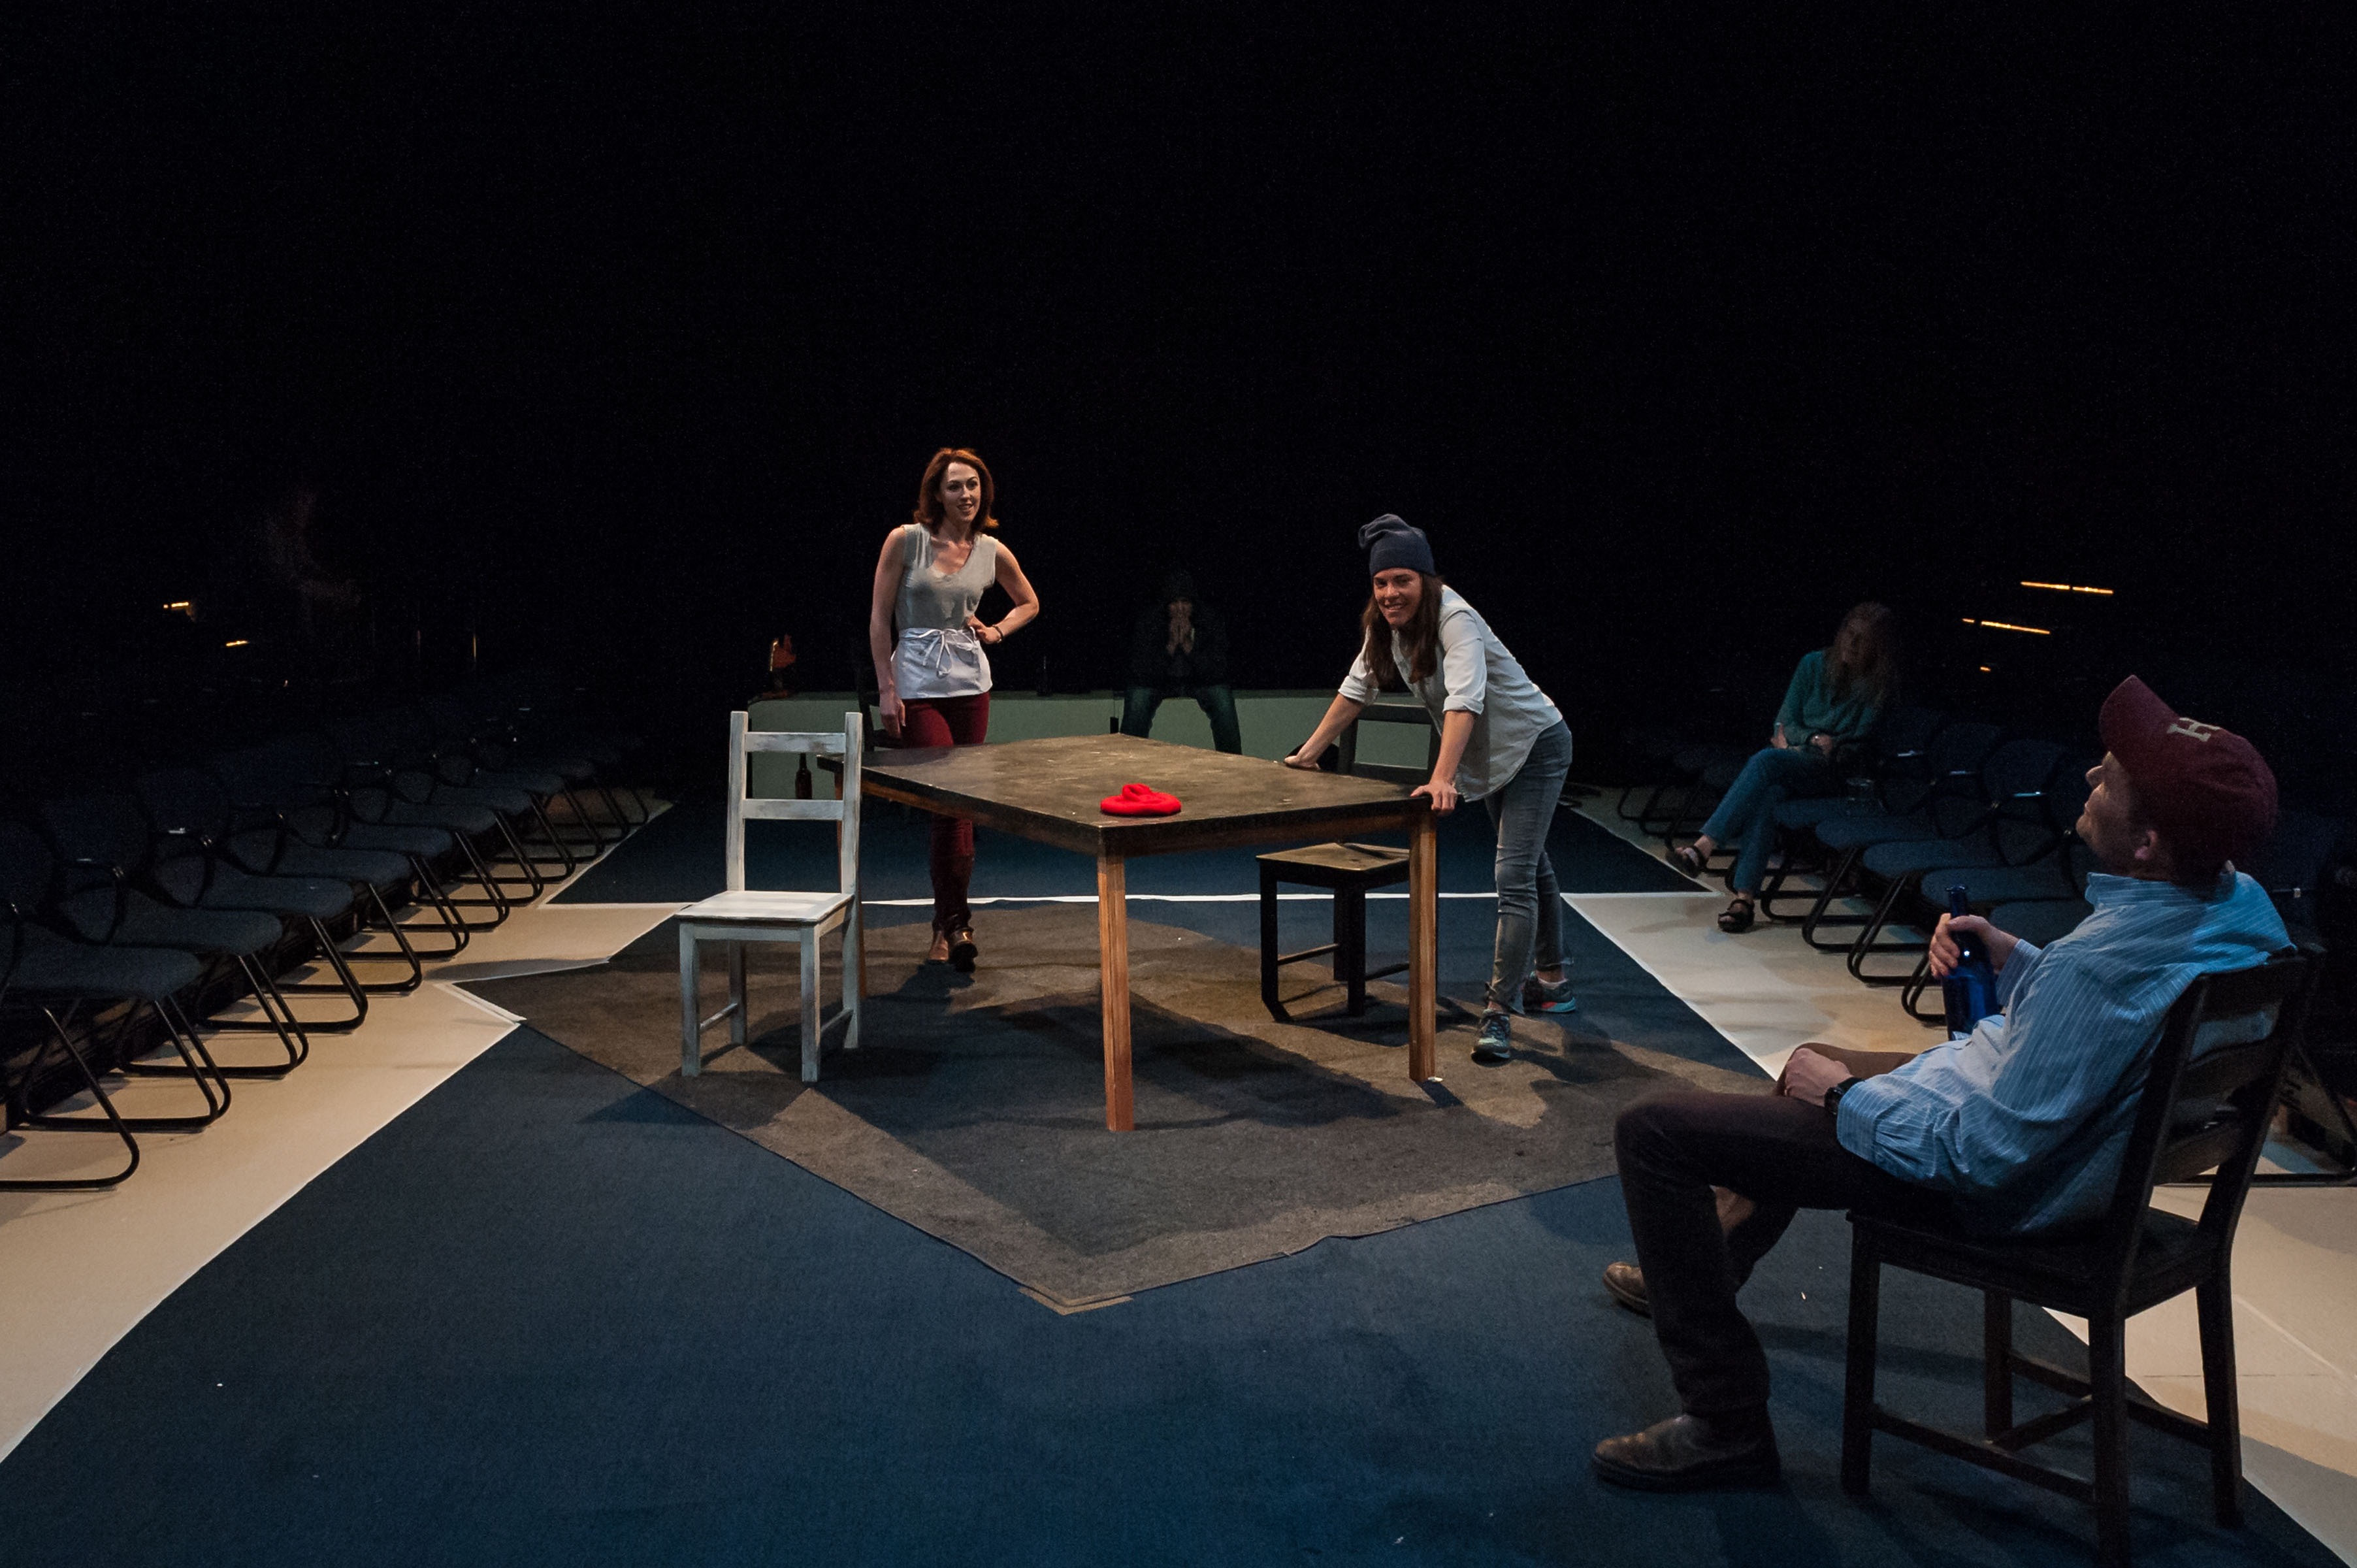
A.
x: 1530, y: 906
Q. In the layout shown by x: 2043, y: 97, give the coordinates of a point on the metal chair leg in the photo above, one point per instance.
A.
x: 196, y: 1065
x: 1268, y: 947
x: 691, y: 1032
x: 113, y: 1122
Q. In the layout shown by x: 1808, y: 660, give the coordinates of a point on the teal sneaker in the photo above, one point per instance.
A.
x: 1548, y: 996
x: 1496, y: 1041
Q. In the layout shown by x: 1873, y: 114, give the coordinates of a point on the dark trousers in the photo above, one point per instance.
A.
x: 1217, y: 703
x: 1774, y: 1150
x: 948, y: 721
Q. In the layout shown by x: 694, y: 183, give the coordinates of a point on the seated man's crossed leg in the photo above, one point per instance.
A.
x: 1711, y: 1182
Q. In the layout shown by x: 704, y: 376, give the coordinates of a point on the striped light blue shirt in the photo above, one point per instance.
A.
x: 2026, y: 1121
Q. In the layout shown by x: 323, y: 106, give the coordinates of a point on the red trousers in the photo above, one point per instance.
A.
x: 948, y: 721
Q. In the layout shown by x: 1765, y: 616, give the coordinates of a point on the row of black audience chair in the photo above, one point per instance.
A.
x: 272, y: 890
x: 1939, y: 801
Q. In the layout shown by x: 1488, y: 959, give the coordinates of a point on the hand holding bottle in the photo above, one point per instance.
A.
x: 1998, y: 945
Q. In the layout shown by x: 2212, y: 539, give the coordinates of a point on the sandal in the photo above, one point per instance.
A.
x: 1736, y: 918
x: 1684, y: 860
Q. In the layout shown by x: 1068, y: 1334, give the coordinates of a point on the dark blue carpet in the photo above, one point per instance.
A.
x: 676, y: 859
x: 549, y: 1317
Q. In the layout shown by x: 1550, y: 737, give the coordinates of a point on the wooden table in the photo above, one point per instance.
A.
x: 1047, y: 790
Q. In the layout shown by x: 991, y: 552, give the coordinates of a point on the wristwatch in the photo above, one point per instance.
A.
x: 1833, y: 1095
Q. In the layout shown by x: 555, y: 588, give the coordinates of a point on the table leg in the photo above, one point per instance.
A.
x: 1423, y: 944
x: 1113, y: 966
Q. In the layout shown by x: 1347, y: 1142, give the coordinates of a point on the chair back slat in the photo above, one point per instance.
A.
x: 2209, y: 1112
x: 2220, y: 1073
x: 2213, y: 1147
x: 793, y: 811
x: 744, y: 740
x: 793, y: 740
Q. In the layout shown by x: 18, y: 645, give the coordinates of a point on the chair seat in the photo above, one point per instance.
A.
x: 229, y: 888
x: 1858, y: 833
x: 2040, y: 920
x: 2058, y: 1273
x: 752, y: 906
x: 1808, y: 811
x: 1340, y: 864
x: 1999, y: 884
x: 147, y: 924
x: 52, y: 966
x: 379, y: 868
x: 453, y: 816
x: 398, y: 838
x: 1906, y: 857
x: 530, y: 781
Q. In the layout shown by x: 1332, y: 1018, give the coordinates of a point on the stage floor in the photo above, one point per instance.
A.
x: 79, y: 1273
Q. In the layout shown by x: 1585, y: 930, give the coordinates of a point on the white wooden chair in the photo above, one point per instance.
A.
x: 744, y: 914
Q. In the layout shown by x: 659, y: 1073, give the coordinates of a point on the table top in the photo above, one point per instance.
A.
x: 1047, y: 790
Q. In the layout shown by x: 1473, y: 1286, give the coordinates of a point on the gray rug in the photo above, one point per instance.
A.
x: 974, y: 1109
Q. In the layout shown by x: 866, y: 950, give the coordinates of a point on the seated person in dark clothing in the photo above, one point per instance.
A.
x: 1837, y: 695
x: 2017, y: 1129
x: 1180, y: 649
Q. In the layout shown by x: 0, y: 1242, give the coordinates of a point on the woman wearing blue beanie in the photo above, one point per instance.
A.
x: 1501, y: 743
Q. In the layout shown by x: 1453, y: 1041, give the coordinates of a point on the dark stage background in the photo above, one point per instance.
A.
x: 620, y: 336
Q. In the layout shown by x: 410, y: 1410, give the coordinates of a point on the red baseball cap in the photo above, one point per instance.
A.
x: 2206, y: 788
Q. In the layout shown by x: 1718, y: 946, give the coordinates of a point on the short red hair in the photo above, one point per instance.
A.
x: 927, y: 514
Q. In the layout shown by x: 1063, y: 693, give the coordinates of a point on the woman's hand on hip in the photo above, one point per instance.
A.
x: 1441, y: 793
x: 988, y: 634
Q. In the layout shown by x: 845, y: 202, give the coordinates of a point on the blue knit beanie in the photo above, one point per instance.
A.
x: 1390, y: 542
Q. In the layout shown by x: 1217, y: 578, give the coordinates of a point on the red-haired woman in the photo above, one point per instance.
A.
x: 1501, y: 743
x: 932, y: 680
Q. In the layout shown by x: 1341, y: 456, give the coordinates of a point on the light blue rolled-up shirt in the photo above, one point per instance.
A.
x: 2025, y: 1120
x: 1474, y: 674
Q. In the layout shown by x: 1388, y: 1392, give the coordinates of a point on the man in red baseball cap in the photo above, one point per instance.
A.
x: 2017, y: 1129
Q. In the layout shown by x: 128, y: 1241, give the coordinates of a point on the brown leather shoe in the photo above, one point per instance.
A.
x: 1692, y: 1453
x: 1627, y: 1283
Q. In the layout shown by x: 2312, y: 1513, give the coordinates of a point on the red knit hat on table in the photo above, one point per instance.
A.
x: 1138, y: 800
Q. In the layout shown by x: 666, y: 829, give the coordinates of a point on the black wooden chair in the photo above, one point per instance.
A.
x: 2207, y: 1100
x: 1350, y: 871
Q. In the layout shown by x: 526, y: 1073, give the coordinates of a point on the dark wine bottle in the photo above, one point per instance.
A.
x: 1970, y: 988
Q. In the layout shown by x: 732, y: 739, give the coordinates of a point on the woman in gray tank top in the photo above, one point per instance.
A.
x: 932, y: 680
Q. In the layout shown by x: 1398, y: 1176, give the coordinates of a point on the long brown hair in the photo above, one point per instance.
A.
x: 1421, y: 635
x: 1864, y: 653
x: 928, y: 514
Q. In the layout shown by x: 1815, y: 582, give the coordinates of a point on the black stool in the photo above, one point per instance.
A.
x: 1350, y: 870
